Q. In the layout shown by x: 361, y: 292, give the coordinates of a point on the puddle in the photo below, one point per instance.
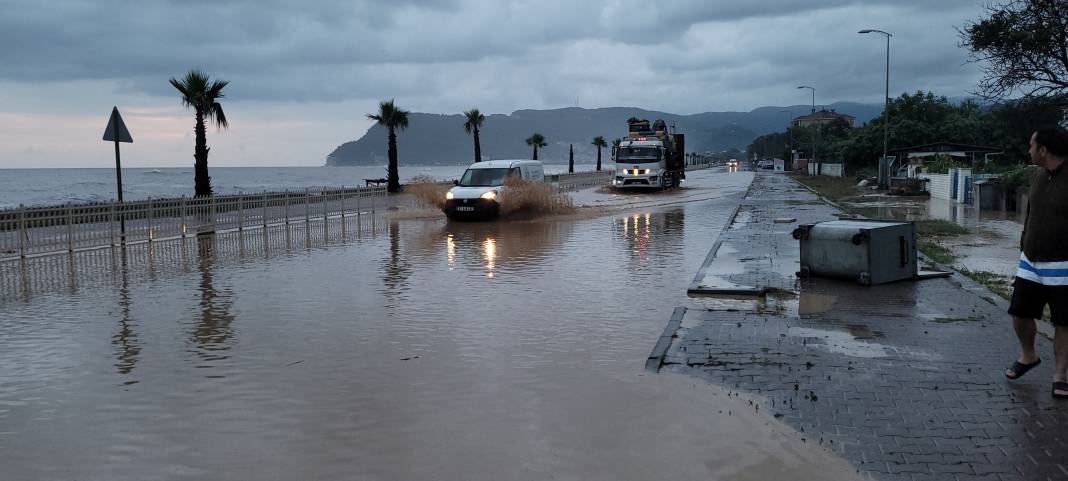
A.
x: 840, y: 342
x: 741, y: 220
x: 810, y: 303
x: 860, y: 331
x: 721, y: 303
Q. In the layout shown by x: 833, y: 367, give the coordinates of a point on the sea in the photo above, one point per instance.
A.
x: 35, y: 187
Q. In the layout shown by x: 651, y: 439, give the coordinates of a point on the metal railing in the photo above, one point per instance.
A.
x: 581, y: 180
x: 33, y: 231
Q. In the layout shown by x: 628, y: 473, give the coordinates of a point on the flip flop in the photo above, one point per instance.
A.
x: 1019, y: 369
x: 1060, y: 390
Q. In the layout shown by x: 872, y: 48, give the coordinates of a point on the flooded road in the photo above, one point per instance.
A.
x: 428, y: 350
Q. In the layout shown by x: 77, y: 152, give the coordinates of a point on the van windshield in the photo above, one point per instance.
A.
x: 487, y: 177
x: 637, y: 155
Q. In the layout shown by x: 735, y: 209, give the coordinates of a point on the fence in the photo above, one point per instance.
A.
x: 32, y: 231
x: 825, y: 168
x: 581, y: 180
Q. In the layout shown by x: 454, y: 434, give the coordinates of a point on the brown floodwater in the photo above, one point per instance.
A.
x: 413, y: 349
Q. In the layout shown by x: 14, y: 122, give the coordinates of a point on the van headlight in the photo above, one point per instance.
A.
x: 448, y: 195
x: 491, y: 195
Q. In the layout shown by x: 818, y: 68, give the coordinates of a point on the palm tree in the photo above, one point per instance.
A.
x: 474, y: 121
x: 203, y: 96
x: 599, y: 142
x: 392, y: 118
x: 537, y: 140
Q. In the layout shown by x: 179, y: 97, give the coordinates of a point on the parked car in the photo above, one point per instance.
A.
x: 477, y: 193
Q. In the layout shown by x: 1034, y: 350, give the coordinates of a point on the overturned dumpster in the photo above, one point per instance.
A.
x: 866, y: 251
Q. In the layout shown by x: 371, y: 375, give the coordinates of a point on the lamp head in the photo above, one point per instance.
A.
x: 867, y: 30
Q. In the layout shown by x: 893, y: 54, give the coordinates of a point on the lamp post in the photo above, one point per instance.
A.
x: 884, y: 179
x: 815, y: 131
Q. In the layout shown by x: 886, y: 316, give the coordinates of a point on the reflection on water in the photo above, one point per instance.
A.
x: 637, y: 232
x: 127, y: 347
x: 212, y: 332
x: 396, y: 269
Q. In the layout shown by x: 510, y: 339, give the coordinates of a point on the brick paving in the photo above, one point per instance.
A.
x: 904, y: 380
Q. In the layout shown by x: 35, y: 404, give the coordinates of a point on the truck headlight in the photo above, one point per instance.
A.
x: 448, y: 195
x: 646, y: 171
x: 491, y: 195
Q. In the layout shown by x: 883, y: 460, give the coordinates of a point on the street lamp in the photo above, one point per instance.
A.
x: 884, y: 179
x: 815, y: 131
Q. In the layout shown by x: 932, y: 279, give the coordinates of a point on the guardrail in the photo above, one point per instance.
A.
x: 33, y: 231
x: 580, y: 180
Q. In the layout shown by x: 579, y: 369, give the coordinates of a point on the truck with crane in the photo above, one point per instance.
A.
x: 649, y: 157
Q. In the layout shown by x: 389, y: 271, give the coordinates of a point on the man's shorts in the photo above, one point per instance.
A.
x: 1028, y: 299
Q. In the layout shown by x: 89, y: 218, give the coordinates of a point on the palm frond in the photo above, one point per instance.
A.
x: 390, y: 116
x: 216, y: 113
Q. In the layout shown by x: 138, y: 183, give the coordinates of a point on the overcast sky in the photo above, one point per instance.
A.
x: 303, y: 74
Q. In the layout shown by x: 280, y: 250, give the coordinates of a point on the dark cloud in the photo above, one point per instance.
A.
x: 509, y: 54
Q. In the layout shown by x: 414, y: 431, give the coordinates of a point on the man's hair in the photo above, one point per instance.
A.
x: 1054, y: 138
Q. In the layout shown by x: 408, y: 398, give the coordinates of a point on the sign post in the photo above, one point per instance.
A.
x: 117, y: 132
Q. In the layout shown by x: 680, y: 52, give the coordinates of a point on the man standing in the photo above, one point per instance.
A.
x: 1042, y: 277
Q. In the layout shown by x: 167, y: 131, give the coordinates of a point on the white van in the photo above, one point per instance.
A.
x: 476, y: 193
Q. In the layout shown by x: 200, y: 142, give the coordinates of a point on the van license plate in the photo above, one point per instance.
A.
x: 465, y: 208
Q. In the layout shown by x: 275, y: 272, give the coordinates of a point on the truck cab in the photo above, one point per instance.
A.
x: 649, y: 157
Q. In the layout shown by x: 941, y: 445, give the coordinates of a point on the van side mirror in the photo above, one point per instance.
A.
x: 455, y: 182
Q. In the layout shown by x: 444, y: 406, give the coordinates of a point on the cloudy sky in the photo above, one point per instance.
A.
x: 303, y: 74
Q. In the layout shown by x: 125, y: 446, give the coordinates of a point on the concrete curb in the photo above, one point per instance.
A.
x: 695, y: 285
x: 656, y: 358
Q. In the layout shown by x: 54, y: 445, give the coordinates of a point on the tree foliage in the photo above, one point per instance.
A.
x: 536, y: 140
x: 202, y: 94
x: 473, y: 126
x: 1023, y: 46
x: 393, y: 119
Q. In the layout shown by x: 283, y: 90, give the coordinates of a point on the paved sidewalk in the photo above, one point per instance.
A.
x: 904, y: 380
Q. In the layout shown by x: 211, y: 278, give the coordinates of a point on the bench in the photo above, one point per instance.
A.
x: 375, y: 182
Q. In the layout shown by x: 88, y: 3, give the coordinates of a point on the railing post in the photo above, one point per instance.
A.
x: 344, y: 193
x: 263, y: 209
x: 307, y: 199
x: 211, y: 202
x: 240, y: 211
x: 111, y: 223
x: 151, y: 221
x: 285, y: 207
x: 70, y: 228
x: 181, y: 211
x: 359, y: 193
x: 23, y: 239
x: 326, y: 212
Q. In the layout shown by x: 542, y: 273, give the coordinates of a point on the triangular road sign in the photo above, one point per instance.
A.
x: 116, y: 131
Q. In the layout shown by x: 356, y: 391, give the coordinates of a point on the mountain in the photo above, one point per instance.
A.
x: 439, y: 139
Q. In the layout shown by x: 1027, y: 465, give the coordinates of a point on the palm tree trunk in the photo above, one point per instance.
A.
x: 598, y: 158
x: 392, y: 177
x: 478, y: 148
x: 535, y: 153
x: 201, y: 180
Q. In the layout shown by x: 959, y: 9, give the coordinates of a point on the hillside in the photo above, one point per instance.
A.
x: 438, y: 139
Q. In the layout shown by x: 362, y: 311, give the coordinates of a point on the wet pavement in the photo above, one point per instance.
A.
x: 905, y: 380
x: 404, y: 349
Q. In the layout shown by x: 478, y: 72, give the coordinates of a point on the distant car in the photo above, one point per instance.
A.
x: 732, y: 163
x: 476, y: 193
x: 766, y: 164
